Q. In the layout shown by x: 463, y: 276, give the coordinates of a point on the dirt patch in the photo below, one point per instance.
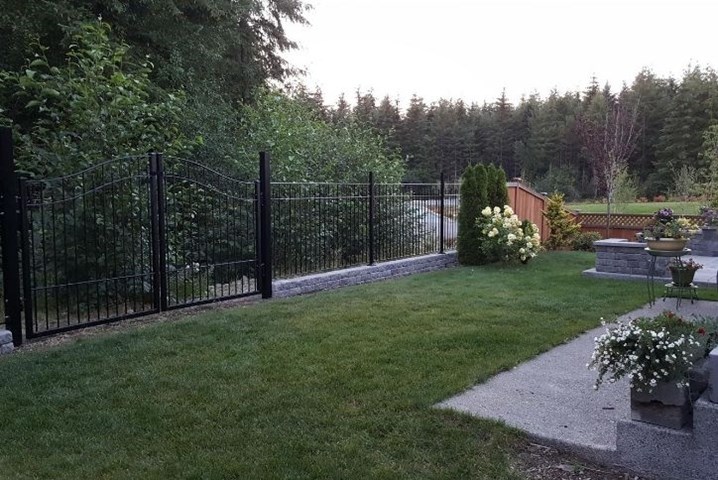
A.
x: 539, y: 462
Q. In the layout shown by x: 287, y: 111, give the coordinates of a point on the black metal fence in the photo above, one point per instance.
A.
x: 143, y: 234
x: 326, y: 226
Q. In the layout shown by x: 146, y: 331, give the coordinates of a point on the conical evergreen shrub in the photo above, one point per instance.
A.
x: 468, y: 242
x: 502, y: 192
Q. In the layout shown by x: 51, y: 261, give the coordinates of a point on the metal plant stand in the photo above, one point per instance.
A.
x: 650, y: 276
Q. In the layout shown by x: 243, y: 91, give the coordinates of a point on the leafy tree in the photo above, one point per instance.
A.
x: 97, y: 105
x: 282, y: 125
x: 234, y: 44
x: 626, y: 189
x: 610, y: 142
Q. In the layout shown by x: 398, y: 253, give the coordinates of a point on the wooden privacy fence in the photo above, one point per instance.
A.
x: 529, y: 204
x: 622, y: 225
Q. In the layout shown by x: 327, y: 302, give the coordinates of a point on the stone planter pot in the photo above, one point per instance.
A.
x: 682, y: 277
x: 667, y: 405
x: 709, y: 233
x: 667, y: 244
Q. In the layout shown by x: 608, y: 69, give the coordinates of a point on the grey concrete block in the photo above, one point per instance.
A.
x: 6, y: 348
x: 667, y: 405
x: 713, y: 376
x: 5, y: 337
x: 705, y: 420
x: 652, y: 449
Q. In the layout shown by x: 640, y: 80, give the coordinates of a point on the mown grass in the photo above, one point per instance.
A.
x: 680, y: 208
x: 333, y: 385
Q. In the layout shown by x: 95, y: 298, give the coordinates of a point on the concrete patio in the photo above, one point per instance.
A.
x: 552, y: 399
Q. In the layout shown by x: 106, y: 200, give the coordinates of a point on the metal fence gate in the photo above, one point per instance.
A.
x: 127, y: 237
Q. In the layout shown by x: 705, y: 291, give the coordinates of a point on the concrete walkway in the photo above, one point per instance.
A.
x: 552, y: 398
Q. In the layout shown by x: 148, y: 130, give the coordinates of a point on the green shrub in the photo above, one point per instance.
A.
x: 562, y: 226
x: 502, y: 192
x: 481, y: 175
x: 584, y: 241
x: 497, y: 193
x: 468, y: 245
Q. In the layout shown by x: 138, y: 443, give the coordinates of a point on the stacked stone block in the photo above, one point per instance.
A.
x: 364, y: 274
x: 6, y: 345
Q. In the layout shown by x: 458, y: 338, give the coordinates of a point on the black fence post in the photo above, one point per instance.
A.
x: 371, y: 218
x: 162, y: 230
x: 441, y: 215
x: 154, y: 221
x: 28, y: 302
x: 265, y: 226
x: 8, y: 236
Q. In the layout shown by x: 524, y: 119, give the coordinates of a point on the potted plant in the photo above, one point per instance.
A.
x: 682, y: 272
x: 656, y: 355
x: 667, y: 232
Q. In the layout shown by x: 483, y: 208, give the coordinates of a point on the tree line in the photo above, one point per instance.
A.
x: 538, y: 138
x: 201, y: 70
x: 81, y: 82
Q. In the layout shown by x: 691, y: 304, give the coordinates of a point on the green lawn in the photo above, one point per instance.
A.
x: 333, y: 385
x: 681, y: 208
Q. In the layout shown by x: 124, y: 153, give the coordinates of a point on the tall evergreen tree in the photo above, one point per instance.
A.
x: 413, y: 137
x: 654, y: 96
x: 693, y: 109
x: 365, y: 108
x: 502, y: 191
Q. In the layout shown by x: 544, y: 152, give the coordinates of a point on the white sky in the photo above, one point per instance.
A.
x: 472, y: 49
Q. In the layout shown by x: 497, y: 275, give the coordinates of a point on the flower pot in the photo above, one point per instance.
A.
x: 667, y: 244
x: 667, y: 405
x: 682, y: 277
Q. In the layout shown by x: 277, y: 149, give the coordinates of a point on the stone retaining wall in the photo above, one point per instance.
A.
x: 6, y: 345
x: 364, y: 274
x: 616, y: 255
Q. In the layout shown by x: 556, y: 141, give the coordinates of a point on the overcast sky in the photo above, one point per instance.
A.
x: 472, y: 49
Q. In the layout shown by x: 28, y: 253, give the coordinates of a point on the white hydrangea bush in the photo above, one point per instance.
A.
x: 506, y: 237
